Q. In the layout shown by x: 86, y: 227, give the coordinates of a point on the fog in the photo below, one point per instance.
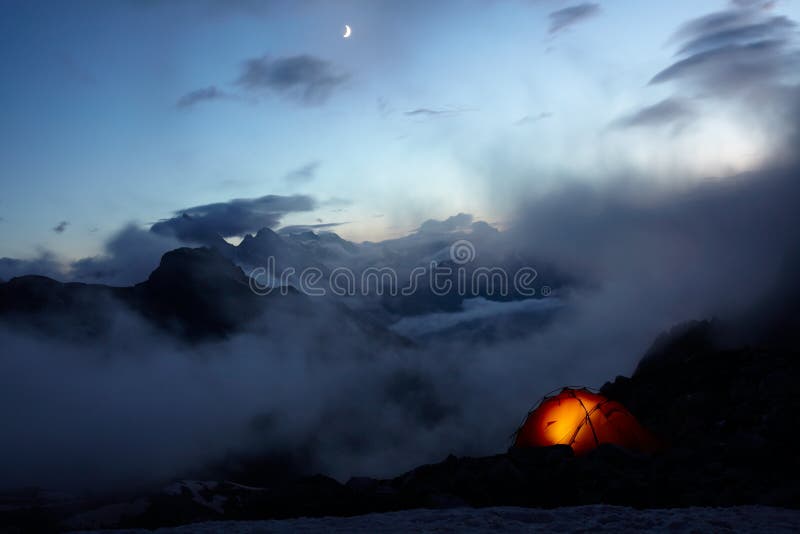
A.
x: 138, y: 406
x: 135, y: 405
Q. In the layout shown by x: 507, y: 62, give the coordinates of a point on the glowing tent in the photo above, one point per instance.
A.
x: 583, y: 420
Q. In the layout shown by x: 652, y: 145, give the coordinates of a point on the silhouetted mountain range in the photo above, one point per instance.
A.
x: 195, y: 293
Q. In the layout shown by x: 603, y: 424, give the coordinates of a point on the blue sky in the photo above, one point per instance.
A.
x: 92, y: 132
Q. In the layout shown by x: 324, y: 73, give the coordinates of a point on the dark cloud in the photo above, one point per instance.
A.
x: 308, y: 78
x: 732, y: 67
x: 564, y: 18
x: 210, y: 222
x: 713, y: 22
x: 61, y: 227
x: 733, y: 51
x: 201, y: 95
x: 747, y: 31
x: 304, y: 174
x: 648, y: 257
x: 668, y: 112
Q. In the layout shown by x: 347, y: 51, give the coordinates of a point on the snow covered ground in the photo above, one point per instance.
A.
x: 599, y: 518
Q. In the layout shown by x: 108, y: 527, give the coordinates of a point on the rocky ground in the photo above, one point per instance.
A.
x: 596, y: 518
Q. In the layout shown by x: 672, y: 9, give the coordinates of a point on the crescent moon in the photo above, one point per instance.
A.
x: 347, y: 31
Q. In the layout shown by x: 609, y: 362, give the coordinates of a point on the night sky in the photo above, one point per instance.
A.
x: 128, y: 111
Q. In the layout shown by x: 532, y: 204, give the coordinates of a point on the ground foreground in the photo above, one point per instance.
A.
x: 596, y: 518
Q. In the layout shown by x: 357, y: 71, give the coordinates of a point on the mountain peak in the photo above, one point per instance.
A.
x: 204, y: 265
x: 265, y: 233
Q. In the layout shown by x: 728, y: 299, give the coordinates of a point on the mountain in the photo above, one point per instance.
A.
x: 198, y: 293
x: 298, y: 250
x: 70, y: 310
x: 194, y: 293
x: 325, y: 245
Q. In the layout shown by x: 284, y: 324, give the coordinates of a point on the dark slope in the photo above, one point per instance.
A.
x: 195, y: 294
x: 72, y: 310
x: 198, y: 293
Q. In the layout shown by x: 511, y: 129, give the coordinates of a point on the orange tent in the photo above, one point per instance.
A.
x: 583, y: 420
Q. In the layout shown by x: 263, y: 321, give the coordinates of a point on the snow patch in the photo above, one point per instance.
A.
x: 595, y: 518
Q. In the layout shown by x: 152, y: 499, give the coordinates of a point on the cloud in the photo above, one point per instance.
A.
x: 129, y: 256
x: 209, y: 222
x: 760, y: 4
x: 427, y: 112
x: 142, y: 407
x: 45, y: 264
x: 730, y: 68
x: 670, y: 111
x: 733, y: 51
x: 646, y: 258
x: 206, y: 94
x: 138, y: 404
x: 746, y: 31
x: 531, y: 119
x: 473, y: 310
x: 434, y: 112
x: 569, y: 16
x: 743, y: 62
x: 304, y: 174
x: 61, y: 227
x: 307, y: 78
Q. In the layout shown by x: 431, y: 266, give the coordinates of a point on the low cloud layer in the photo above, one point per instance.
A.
x: 137, y: 405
